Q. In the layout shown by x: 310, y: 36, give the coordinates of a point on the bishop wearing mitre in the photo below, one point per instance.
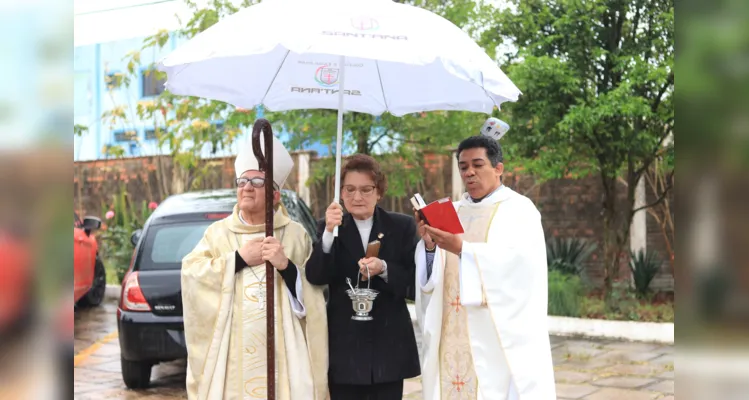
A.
x: 223, y: 294
x: 481, y: 295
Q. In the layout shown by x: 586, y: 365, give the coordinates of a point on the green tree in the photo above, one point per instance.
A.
x: 598, y: 82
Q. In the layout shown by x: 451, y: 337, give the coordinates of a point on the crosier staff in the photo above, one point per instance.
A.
x: 266, y: 165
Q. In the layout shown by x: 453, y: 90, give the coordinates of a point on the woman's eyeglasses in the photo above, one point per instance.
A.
x: 350, y: 190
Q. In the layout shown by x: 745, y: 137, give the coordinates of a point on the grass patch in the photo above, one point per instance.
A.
x: 594, y: 307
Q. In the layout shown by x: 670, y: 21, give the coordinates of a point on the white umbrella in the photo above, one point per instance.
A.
x: 379, y: 55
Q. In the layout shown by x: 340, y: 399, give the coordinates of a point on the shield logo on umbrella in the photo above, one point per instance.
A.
x: 326, y: 76
x: 364, y: 23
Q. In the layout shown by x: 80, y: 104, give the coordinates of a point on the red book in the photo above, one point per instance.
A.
x: 438, y: 214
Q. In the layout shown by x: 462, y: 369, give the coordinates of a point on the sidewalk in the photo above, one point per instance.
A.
x: 584, y: 369
x: 590, y: 370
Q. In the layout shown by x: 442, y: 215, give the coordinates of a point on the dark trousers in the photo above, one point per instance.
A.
x: 377, y: 391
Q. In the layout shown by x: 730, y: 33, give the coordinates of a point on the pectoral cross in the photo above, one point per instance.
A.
x: 260, y: 294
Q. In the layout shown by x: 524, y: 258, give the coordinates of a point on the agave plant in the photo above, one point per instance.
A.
x: 568, y: 255
x: 644, y: 266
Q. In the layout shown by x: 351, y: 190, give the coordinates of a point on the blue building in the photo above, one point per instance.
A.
x: 105, y: 34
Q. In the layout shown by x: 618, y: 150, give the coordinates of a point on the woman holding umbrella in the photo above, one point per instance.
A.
x: 368, y: 359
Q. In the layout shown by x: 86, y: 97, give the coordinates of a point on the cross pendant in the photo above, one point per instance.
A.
x: 260, y: 294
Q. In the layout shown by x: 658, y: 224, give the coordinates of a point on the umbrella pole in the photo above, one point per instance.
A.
x: 266, y: 165
x: 339, y: 136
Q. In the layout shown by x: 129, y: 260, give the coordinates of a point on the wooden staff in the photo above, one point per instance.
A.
x: 266, y: 164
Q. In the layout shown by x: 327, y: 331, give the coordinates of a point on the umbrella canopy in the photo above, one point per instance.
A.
x: 398, y: 58
x: 368, y: 56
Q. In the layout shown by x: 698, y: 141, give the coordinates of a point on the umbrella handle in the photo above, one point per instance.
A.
x: 339, y: 133
x: 265, y: 163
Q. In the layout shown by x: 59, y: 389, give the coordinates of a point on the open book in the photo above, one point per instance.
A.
x: 439, y: 214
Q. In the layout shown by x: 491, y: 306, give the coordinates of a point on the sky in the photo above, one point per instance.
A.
x: 98, y: 21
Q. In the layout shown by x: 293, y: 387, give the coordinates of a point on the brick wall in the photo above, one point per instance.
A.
x: 569, y: 208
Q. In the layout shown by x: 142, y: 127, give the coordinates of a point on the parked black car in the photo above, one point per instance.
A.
x: 149, y: 316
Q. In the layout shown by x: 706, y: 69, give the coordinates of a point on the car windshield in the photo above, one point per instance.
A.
x: 166, y: 245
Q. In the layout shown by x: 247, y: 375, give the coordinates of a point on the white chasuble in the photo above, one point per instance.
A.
x: 483, y: 316
x: 225, y: 320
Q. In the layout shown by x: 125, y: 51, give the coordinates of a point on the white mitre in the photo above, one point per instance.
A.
x: 282, y: 161
x: 494, y: 128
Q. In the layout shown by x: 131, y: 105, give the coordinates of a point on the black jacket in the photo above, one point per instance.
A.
x: 384, y: 349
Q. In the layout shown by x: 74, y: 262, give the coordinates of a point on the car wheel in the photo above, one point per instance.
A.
x: 136, y: 374
x: 95, y: 295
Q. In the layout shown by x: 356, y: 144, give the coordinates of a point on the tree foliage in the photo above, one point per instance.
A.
x: 597, y: 79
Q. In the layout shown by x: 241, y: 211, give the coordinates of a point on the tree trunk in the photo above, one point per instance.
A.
x: 162, y: 178
x: 362, y: 141
x: 179, y: 178
x: 610, y: 247
x: 361, y: 127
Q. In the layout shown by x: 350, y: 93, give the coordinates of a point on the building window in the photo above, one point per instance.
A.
x: 114, y: 80
x: 153, y: 82
x: 125, y: 136
x: 150, y: 133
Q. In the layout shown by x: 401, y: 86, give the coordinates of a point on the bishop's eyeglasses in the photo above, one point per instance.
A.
x: 256, y: 182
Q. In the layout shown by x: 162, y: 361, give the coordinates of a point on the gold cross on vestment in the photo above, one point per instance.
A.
x: 456, y: 303
x: 458, y: 383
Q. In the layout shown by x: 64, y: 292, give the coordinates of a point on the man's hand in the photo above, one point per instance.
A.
x: 422, y: 229
x: 448, y: 241
x: 251, y: 252
x: 374, y: 264
x: 333, y: 216
x: 272, y: 251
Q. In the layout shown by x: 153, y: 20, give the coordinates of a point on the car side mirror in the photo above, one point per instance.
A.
x: 135, y: 237
x: 91, y: 224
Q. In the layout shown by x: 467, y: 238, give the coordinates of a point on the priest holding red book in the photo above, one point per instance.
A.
x: 481, y: 296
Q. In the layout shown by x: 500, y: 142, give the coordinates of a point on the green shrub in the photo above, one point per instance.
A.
x: 568, y: 255
x: 627, y: 309
x: 565, y: 294
x: 644, y: 267
x: 621, y: 302
x: 114, y: 241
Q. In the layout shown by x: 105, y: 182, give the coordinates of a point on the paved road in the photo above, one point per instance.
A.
x: 585, y: 369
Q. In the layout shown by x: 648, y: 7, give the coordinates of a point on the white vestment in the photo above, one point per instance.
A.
x: 225, y: 320
x: 503, y: 292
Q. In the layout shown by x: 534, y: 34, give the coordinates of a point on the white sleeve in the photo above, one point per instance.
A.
x: 424, y: 281
x: 425, y: 285
x: 327, y: 241
x: 297, y: 303
x: 384, y: 274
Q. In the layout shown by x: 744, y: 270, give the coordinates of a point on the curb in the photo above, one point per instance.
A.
x: 658, y: 332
